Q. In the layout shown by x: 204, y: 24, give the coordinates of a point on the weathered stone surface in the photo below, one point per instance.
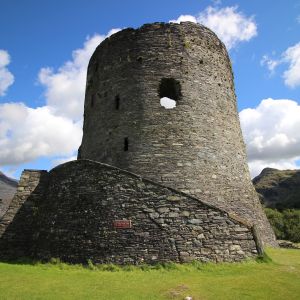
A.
x: 196, y: 147
x: 69, y: 216
x: 18, y: 225
x: 192, y: 197
x: 288, y: 244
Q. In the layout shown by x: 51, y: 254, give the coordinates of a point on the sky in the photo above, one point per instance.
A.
x: 45, y: 47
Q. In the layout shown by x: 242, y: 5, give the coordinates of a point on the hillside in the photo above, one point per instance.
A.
x: 8, y: 188
x: 278, y: 189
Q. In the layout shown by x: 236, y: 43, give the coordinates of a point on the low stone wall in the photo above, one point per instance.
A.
x: 78, y: 217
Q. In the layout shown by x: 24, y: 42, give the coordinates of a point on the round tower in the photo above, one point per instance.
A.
x: 195, y: 147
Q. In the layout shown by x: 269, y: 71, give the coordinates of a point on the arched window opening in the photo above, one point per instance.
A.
x: 169, y: 92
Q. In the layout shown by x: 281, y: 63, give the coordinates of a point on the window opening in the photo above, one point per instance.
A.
x: 169, y: 92
x: 126, y: 144
x: 117, y: 102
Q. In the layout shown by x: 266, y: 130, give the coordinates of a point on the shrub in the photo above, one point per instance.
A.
x: 276, y: 219
x: 291, y: 219
x: 286, y: 224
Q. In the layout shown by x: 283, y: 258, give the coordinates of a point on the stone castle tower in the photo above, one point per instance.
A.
x: 151, y: 184
x: 196, y: 147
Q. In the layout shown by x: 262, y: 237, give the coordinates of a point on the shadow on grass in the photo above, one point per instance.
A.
x: 167, y: 266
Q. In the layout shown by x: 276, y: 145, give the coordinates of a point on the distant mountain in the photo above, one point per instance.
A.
x: 278, y: 188
x: 8, y: 187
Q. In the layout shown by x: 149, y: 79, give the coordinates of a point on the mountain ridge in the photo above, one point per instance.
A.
x: 278, y: 189
x: 8, y: 187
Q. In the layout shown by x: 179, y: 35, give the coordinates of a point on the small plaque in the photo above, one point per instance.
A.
x: 122, y: 224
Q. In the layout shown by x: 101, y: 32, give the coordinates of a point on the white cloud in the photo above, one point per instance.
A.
x: 65, y: 87
x: 298, y: 19
x: 28, y: 133
x: 184, y: 18
x: 6, y: 77
x: 231, y: 26
x: 4, y: 58
x: 292, y: 74
x: 167, y: 103
x: 291, y: 56
x: 53, y: 130
x: 270, y: 63
x: 58, y: 161
x: 257, y: 166
x: 272, y: 134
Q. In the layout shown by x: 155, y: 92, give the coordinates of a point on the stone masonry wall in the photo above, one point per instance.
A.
x: 18, y: 225
x: 74, y: 221
x: 197, y: 147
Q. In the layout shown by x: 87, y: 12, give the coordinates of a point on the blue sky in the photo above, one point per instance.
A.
x: 45, y: 46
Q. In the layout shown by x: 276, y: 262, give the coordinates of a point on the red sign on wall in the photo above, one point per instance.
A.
x: 122, y: 224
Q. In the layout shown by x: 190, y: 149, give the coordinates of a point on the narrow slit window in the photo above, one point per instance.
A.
x: 126, y: 144
x: 117, y: 102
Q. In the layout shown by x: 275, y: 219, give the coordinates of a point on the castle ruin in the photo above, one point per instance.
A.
x: 151, y: 184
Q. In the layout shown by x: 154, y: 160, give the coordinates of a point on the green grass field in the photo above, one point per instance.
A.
x: 279, y: 279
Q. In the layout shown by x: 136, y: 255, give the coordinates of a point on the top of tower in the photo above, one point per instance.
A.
x: 186, y: 28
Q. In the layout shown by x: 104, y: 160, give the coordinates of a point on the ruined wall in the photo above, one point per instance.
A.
x: 197, y: 147
x: 74, y: 220
x: 18, y: 225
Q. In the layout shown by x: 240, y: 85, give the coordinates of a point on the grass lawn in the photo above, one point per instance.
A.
x: 279, y: 279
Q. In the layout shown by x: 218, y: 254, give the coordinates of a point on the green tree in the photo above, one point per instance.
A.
x: 286, y: 224
x: 291, y: 218
x: 276, y: 219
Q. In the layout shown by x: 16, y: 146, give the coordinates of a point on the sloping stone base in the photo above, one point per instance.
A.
x: 71, y: 212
